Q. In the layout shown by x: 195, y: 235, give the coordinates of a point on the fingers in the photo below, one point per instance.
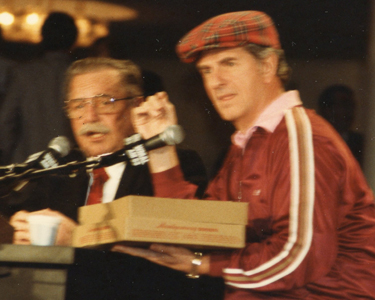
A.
x: 180, y: 258
x: 21, y: 228
x: 21, y: 237
x: 170, y: 250
x: 65, y: 232
x: 19, y: 220
x: 163, y: 248
x: 173, y: 255
x: 153, y: 256
x: 140, y: 252
x: 177, y: 258
x: 154, y: 115
x: 152, y: 108
x: 20, y: 215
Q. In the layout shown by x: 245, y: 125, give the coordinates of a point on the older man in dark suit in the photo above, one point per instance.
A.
x: 100, y: 93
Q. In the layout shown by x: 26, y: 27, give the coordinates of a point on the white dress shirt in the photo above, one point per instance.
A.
x: 110, y: 187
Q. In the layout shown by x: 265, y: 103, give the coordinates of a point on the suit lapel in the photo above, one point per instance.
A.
x: 135, y: 180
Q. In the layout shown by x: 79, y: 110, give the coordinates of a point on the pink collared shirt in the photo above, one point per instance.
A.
x: 269, y: 118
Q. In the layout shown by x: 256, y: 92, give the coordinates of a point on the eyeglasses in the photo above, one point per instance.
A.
x: 103, y: 104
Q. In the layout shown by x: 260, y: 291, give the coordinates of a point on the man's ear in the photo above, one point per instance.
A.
x: 270, y: 65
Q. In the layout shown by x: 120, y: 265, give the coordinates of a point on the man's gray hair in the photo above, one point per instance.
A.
x: 130, y: 73
x: 284, y: 72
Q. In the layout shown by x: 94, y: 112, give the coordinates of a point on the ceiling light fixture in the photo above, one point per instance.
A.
x: 21, y: 20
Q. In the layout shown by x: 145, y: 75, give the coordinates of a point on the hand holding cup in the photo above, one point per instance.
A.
x: 43, y: 229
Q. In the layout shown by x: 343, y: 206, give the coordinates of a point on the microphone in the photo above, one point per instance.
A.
x: 57, y: 148
x: 171, y: 136
x: 135, y: 150
x: 12, y: 178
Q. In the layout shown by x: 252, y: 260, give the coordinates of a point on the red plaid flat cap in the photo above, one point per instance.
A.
x: 229, y: 30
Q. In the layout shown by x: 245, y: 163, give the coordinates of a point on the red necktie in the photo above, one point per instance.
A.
x: 96, y: 190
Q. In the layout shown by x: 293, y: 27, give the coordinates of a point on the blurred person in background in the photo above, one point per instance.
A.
x: 337, y: 105
x: 32, y: 112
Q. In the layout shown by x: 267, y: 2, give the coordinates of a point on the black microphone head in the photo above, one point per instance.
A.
x: 173, y: 135
x: 60, y: 144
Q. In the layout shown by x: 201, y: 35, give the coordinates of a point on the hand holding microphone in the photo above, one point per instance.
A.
x: 136, y: 148
x: 150, y: 118
x: 154, y: 115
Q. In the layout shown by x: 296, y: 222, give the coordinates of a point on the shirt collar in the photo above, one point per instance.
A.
x: 269, y: 118
x: 111, y: 170
x: 115, y: 169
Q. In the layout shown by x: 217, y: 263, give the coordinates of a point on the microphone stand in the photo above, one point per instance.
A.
x: 135, y: 152
x: 136, y: 156
x: 66, y: 169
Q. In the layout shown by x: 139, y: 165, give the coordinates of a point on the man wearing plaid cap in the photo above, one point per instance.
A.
x: 311, y: 216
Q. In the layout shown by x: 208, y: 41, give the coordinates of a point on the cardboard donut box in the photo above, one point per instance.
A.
x: 139, y: 221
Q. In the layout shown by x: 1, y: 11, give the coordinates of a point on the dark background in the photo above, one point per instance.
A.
x: 308, y: 29
x: 326, y: 42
